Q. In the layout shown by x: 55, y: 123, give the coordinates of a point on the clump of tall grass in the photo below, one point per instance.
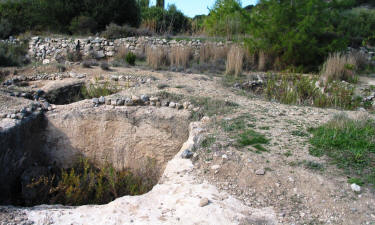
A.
x: 95, y: 90
x: 339, y: 66
x: 235, y: 59
x: 180, y: 56
x: 156, y: 57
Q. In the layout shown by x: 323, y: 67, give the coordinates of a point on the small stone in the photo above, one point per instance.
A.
x: 129, y: 102
x: 172, y: 105
x: 114, y: 102
x: 215, y: 167
x: 154, y: 99
x: 108, y: 101
x: 95, y: 101
x: 186, y: 105
x: 355, y: 187
x: 204, y: 202
x: 145, y: 98
x: 224, y: 156
x: 157, y: 104
x: 101, y: 100
x: 136, y: 99
x: 179, y: 106
x: 186, y: 154
x: 260, y: 172
x: 120, y: 101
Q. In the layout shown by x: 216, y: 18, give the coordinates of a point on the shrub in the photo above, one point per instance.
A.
x: 87, y: 184
x: 104, y: 66
x: 12, y: 54
x: 340, y: 67
x: 235, y: 60
x: 349, y: 143
x: 156, y: 57
x: 130, y: 58
x: 83, y: 25
x: 74, y: 56
x: 302, y: 90
x: 180, y: 56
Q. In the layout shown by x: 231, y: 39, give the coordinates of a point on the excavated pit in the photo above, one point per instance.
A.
x: 131, y: 138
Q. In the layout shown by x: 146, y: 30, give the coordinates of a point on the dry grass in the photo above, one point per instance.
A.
x: 235, y: 59
x: 360, y: 59
x: 121, y: 53
x: 180, y: 56
x: 209, y: 52
x: 156, y: 57
x: 339, y: 66
x: 263, y: 61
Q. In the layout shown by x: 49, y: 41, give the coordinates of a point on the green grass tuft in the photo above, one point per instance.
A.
x: 349, y: 143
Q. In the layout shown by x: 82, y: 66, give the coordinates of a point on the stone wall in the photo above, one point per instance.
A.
x: 53, y: 49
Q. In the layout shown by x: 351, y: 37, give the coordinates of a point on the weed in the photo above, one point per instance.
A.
x: 349, y: 143
x: 206, y: 143
x: 260, y: 148
x: 356, y: 180
x: 180, y: 86
x: 299, y: 133
x: 96, y: 90
x: 162, y: 86
x: 288, y: 153
x: 251, y: 137
x: 130, y: 58
x: 313, y: 165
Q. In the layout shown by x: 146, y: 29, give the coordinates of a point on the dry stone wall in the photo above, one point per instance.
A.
x: 52, y: 49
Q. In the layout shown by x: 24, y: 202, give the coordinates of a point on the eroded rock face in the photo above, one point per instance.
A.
x: 126, y: 137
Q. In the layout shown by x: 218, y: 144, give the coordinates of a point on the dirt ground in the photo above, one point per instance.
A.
x: 299, y: 194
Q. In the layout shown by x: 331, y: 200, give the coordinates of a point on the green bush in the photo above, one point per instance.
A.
x: 12, y: 54
x: 96, y: 90
x: 349, y: 143
x: 130, y: 58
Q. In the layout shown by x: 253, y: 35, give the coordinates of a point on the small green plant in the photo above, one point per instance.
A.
x: 162, y: 86
x: 130, y: 58
x: 314, y: 165
x: 96, y: 90
x: 356, y: 180
x: 206, y: 143
x: 349, y: 143
x: 251, y: 137
x: 299, y: 133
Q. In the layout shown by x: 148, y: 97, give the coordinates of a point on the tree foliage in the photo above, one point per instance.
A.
x: 226, y: 18
x: 60, y: 15
x: 296, y: 33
